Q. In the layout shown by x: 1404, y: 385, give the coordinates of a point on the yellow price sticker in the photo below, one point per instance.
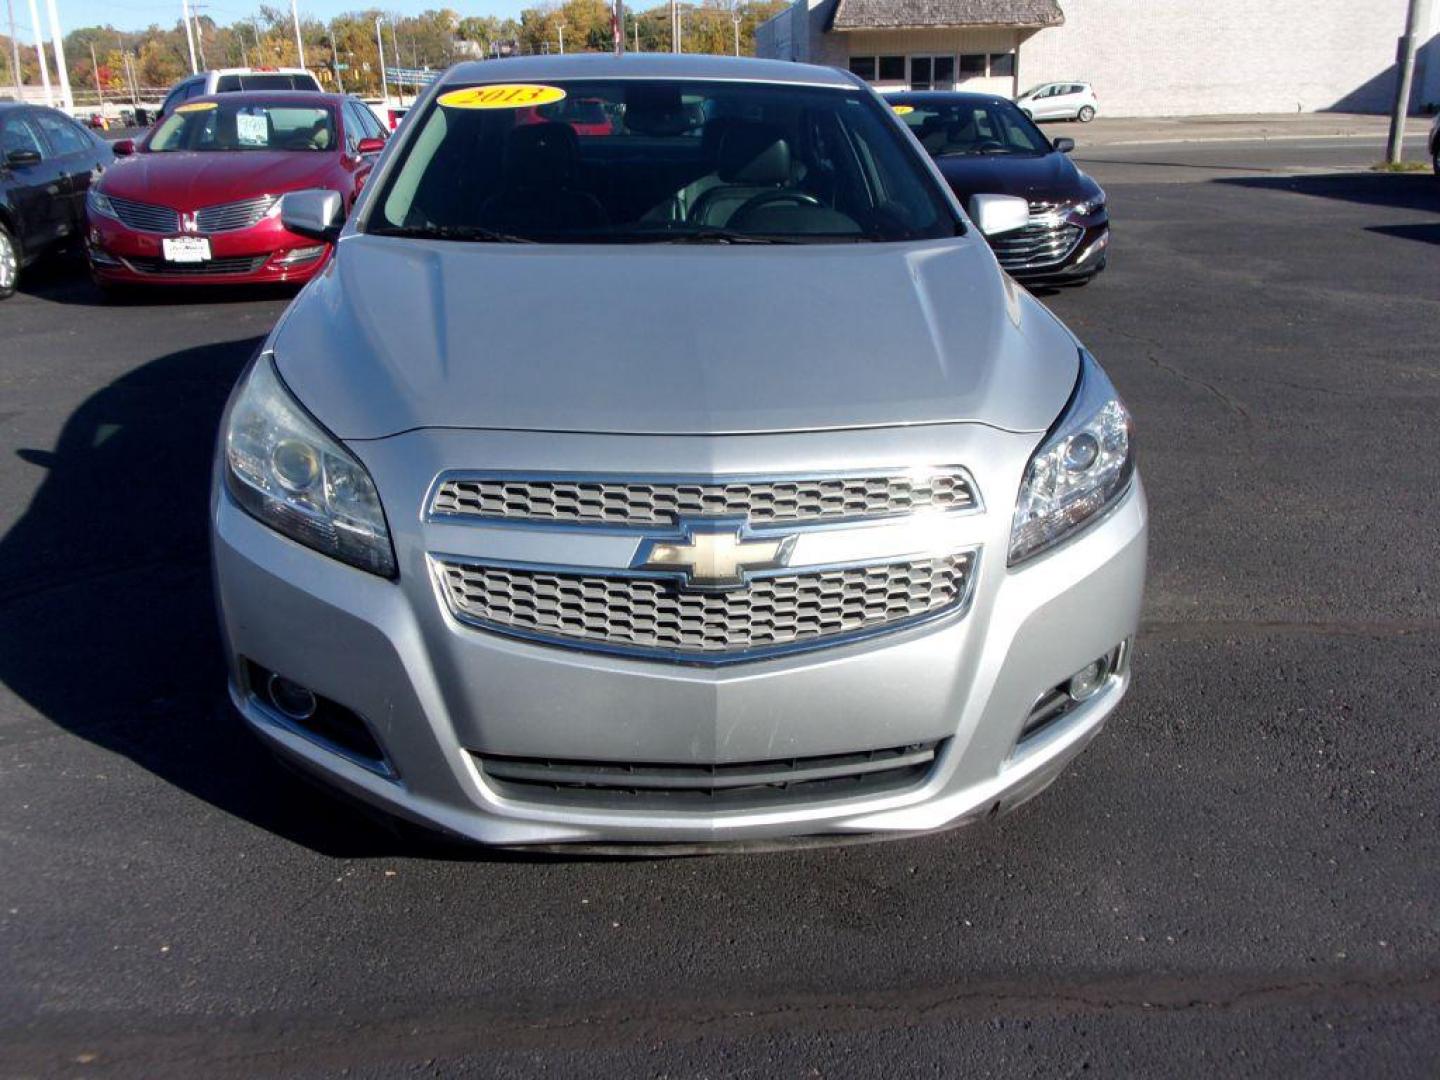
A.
x: 197, y: 106
x: 502, y: 96
x: 902, y: 110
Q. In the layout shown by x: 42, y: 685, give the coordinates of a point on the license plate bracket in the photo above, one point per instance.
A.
x: 186, y: 249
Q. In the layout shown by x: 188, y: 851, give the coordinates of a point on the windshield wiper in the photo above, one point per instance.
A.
x: 721, y: 236
x: 467, y: 233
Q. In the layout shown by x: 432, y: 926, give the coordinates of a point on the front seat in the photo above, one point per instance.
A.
x: 537, y: 179
x: 754, y: 159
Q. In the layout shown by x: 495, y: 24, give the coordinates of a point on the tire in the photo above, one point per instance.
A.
x: 1085, y: 115
x: 1435, y: 158
x: 9, y: 264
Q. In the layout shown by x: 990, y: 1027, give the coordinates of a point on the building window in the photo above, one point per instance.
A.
x: 892, y: 69
x: 972, y: 65
x: 932, y: 73
x: 864, y: 66
x: 1002, y: 64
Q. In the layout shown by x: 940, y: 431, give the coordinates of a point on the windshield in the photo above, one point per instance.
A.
x: 210, y: 125
x: 949, y: 128
x: 648, y: 160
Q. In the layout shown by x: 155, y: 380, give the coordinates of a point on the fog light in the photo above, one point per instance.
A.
x: 1089, y: 679
x: 292, y: 699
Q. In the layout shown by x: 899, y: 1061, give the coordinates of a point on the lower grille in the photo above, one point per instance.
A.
x: 1047, y: 240
x: 653, y: 617
x: 246, y: 264
x: 611, y: 785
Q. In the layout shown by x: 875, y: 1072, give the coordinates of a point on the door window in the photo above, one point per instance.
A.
x: 920, y: 73
x: 17, y: 134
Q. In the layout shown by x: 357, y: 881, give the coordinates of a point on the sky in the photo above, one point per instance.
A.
x: 138, y: 14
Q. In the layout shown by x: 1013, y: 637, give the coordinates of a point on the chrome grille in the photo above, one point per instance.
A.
x: 243, y: 264
x: 145, y: 217
x: 665, y: 501
x: 626, y: 785
x: 1047, y: 240
x: 644, y: 615
x: 228, y: 217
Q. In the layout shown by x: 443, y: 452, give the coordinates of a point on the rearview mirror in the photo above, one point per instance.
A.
x: 369, y: 146
x: 995, y: 214
x: 316, y: 213
x: 123, y: 147
x: 21, y: 158
x: 1064, y: 146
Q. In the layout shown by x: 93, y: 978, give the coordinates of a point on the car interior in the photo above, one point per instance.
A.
x: 796, y: 165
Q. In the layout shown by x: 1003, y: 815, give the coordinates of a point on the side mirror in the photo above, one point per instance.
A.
x: 123, y: 147
x: 316, y: 213
x: 1064, y: 146
x: 369, y: 146
x: 20, y: 158
x: 995, y: 214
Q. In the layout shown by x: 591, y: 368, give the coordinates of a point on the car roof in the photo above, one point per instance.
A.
x: 258, y: 71
x: 948, y: 97
x: 647, y: 66
x: 271, y: 97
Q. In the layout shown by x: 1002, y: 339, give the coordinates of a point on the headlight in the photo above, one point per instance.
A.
x: 286, y: 470
x: 1089, y: 206
x: 98, y: 203
x: 1082, y: 467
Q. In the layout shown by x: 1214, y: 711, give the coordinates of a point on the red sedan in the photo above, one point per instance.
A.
x: 198, y: 201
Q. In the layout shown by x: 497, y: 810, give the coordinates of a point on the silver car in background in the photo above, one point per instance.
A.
x: 693, y: 476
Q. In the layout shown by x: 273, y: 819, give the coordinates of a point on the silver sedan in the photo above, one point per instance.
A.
x: 664, y: 458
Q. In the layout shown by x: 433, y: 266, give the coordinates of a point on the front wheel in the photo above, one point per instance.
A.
x: 9, y: 264
x: 1085, y: 115
x: 1435, y: 159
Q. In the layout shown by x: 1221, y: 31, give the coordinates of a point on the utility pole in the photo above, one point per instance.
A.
x: 561, y: 28
x: 637, y: 33
x: 380, y: 44
x: 735, y: 14
x: 57, y: 39
x: 1405, y: 57
x: 99, y: 88
x: 299, y: 46
x: 134, y: 86
x: 674, y: 26
x: 189, y: 34
x: 40, y: 52
x: 14, y: 51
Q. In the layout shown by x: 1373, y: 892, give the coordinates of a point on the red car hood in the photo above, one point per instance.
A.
x: 188, y: 181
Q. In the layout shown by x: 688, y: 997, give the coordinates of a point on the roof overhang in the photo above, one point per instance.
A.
x: 859, y: 15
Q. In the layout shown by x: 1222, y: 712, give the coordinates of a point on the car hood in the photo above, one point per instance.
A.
x: 187, y: 181
x: 398, y: 334
x: 1042, y: 177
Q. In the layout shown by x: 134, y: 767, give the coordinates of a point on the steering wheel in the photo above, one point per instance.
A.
x: 765, y: 198
x: 987, y: 145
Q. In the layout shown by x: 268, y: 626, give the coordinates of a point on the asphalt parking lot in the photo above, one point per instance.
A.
x: 1241, y: 876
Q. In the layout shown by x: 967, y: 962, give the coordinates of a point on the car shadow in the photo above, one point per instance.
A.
x: 64, y: 278
x: 107, y: 622
x: 1400, y: 191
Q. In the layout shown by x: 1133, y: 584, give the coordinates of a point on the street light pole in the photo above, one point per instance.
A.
x: 380, y: 42
x: 1405, y: 57
x: 335, y: 57
x: 40, y: 52
x: 189, y: 33
x: 561, y: 28
x: 299, y: 46
x: 99, y: 87
x: 735, y: 14
x: 57, y: 39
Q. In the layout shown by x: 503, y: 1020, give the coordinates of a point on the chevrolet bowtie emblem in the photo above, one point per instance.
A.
x: 713, y: 556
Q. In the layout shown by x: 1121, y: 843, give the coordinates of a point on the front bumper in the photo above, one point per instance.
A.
x: 438, y: 695
x: 264, y: 254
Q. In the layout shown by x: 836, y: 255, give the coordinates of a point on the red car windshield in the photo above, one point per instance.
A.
x: 212, y: 125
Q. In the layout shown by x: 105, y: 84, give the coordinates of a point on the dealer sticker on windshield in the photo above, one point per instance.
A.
x: 903, y: 110
x: 196, y: 106
x: 502, y: 96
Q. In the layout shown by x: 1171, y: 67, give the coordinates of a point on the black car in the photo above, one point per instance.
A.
x: 46, y: 164
x: 986, y: 146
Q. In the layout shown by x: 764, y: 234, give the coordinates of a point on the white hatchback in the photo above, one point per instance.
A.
x: 1060, y: 101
